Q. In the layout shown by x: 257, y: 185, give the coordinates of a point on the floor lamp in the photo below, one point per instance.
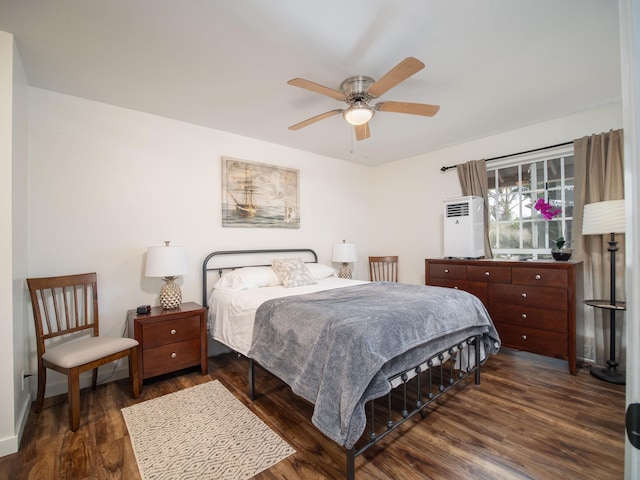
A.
x: 602, y: 218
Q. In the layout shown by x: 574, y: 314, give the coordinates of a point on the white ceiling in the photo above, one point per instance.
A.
x: 492, y: 65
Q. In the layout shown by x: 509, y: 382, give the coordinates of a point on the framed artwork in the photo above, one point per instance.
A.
x: 259, y: 195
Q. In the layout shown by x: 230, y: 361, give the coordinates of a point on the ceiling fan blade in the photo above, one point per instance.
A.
x: 315, y: 119
x: 408, y: 107
x: 362, y: 131
x: 317, y: 88
x: 397, y: 74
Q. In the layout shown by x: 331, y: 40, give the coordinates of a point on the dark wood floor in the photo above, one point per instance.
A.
x: 529, y: 419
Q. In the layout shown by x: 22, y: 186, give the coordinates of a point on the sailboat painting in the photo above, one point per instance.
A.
x: 259, y: 195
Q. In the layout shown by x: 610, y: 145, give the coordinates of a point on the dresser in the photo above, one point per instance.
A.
x: 169, y: 340
x: 533, y: 304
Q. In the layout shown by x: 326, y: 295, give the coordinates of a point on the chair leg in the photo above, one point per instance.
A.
x: 94, y: 378
x: 42, y: 382
x: 136, y: 384
x: 74, y: 398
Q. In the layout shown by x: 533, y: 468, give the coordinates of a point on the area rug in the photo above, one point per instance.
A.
x: 202, y: 432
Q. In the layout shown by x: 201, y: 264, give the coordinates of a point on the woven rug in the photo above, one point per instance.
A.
x: 202, y: 432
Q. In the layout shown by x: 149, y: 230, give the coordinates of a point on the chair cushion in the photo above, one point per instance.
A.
x: 79, y: 352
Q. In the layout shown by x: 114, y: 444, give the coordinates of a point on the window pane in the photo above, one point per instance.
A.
x: 554, y: 173
x: 508, y: 177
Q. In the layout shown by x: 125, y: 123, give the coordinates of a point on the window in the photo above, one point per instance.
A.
x: 516, y: 229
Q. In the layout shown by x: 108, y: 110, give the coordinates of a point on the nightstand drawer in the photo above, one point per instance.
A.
x: 168, y: 358
x: 170, y: 331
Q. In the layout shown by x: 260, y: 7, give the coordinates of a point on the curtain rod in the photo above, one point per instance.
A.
x: 444, y: 169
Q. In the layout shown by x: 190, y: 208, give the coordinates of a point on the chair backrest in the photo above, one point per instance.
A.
x: 383, y: 269
x: 64, y: 305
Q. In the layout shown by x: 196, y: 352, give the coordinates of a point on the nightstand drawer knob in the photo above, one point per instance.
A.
x: 174, y: 355
x: 446, y: 270
x: 173, y: 331
x: 524, y: 315
x: 524, y: 295
x: 538, y: 277
x: 524, y: 337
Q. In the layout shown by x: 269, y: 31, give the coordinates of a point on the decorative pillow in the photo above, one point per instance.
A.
x: 320, y: 271
x: 248, y: 278
x: 293, y: 272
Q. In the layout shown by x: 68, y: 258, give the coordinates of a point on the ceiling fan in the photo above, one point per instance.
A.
x: 358, y: 91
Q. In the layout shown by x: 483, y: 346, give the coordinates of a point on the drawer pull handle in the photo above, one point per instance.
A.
x: 446, y: 270
x: 524, y: 315
x: 174, y: 355
x: 173, y: 331
x: 524, y: 295
x: 455, y: 288
x: 538, y: 277
x: 524, y: 337
x: 487, y: 273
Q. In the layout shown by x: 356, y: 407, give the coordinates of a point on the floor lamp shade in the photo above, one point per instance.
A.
x: 167, y: 262
x: 601, y: 218
x: 344, y: 253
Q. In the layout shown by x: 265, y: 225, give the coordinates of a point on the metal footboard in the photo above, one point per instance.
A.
x: 415, y: 389
x: 419, y: 386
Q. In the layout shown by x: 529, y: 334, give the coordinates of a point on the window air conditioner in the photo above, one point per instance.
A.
x: 464, y: 227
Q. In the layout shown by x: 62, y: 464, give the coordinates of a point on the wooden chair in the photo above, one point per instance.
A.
x: 65, y: 311
x: 383, y: 269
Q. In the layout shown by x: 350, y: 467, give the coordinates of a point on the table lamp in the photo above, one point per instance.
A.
x: 344, y: 253
x: 602, y: 218
x: 168, y: 262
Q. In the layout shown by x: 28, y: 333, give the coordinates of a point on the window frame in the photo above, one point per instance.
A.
x: 564, y: 220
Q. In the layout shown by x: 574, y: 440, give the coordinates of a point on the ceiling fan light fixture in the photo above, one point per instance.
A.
x: 358, y: 114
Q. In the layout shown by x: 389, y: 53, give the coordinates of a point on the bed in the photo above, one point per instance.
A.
x: 367, y: 355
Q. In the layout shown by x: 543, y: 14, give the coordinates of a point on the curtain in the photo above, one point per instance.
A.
x: 473, y: 180
x: 599, y: 170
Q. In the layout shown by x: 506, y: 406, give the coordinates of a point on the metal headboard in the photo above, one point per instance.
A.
x: 209, y: 263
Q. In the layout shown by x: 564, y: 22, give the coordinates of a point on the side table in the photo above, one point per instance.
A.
x: 611, y: 373
x: 170, y: 340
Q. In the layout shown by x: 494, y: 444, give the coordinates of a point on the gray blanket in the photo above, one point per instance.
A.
x: 336, y: 348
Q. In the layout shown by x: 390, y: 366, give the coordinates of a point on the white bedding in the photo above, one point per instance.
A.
x: 232, y: 312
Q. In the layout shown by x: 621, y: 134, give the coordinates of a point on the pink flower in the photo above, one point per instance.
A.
x: 546, y: 209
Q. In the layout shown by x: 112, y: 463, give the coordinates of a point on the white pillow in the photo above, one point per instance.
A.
x: 293, y: 272
x: 248, y: 278
x: 320, y: 271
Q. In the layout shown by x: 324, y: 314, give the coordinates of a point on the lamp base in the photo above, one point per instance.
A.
x: 609, y: 375
x: 345, y: 271
x: 170, y: 294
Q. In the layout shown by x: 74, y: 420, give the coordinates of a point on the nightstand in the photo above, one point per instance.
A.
x: 169, y: 340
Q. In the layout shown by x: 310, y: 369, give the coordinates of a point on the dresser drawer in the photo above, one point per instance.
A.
x: 530, y: 317
x: 479, y: 289
x: 489, y: 273
x: 525, y: 295
x: 448, y: 270
x: 170, y: 331
x: 542, y: 342
x: 544, y: 277
x: 171, y: 357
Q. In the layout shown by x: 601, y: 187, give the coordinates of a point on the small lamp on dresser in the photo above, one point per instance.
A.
x: 167, y: 262
x: 344, y: 253
x: 607, y: 218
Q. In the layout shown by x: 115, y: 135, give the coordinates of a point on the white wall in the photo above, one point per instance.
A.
x: 107, y: 182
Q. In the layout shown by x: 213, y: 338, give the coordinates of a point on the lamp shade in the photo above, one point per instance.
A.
x: 344, y: 252
x: 167, y: 261
x: 601, y: 218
